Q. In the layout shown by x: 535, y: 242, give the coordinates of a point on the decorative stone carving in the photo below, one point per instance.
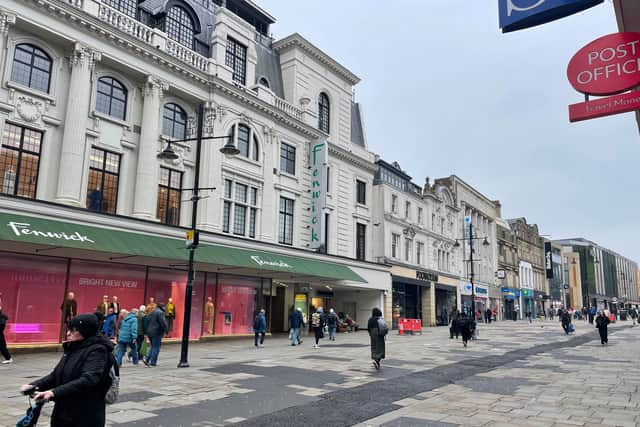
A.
x: 192, y: 124
x: 84, y: 56
x: 6, y: 20
x: 29, y: 109
x: 304, y: 103
x: 154, y: 85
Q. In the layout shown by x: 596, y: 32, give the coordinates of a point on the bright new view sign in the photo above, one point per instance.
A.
x: 520, y: 14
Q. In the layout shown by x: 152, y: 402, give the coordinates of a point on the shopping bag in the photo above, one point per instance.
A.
x: 290, y: 334
x: 30, y: 419
x: 571, y: 328
x: 143, y: 348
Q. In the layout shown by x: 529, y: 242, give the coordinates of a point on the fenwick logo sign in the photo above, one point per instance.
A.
x: 24, y: 229
x: 318, y: 163
x: 277, y: 263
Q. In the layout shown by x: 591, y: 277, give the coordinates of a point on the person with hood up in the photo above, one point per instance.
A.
x: 109, y: 324
x: 259, y: 328
x: 3, y: 342
x: 318, y: 322
x: 156, y: 328
x: 376, y: 327
x: 332, y: 324
x: 80, y: 381
x: 602, y: 323
x: 127, y: 335
x: 297, y: 323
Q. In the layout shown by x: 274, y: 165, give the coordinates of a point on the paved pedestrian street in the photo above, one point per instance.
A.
x: 516, y: 373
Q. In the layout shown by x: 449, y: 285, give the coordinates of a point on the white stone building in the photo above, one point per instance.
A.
x: 416, y: 228
x: 92, y: 91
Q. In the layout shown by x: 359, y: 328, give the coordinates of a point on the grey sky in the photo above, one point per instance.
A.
x: 445, y: 92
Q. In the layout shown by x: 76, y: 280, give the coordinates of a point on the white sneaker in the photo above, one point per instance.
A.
x: 316, y: 346
x: 7, y: 362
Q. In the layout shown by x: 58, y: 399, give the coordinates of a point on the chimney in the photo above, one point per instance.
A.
x: 427, y: 186
x: 498, y: 206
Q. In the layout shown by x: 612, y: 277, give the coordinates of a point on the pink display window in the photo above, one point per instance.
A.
x: 164, y: 284
x: 209, y: 313
x: 90, y: 281
x: 236, y: 304
x: 31, y: 291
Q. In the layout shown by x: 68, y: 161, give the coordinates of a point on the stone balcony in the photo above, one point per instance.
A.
x: 158, y: 40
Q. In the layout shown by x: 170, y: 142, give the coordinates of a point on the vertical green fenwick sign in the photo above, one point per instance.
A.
x: 318, y: 161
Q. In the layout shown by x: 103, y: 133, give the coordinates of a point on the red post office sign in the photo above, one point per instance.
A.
x: 602, y: 107
x: 607, y: 66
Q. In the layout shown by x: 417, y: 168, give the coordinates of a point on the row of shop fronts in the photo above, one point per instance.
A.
x: 43, y: 259
x: 519, y: 303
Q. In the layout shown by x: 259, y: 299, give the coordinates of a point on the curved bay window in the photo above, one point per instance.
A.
x: 169, y: 191
x: 174, y: 121
x: 324, y: 111
x: 104, y: 174
x: 128, y: 7
x: 246, y: 140
x: 111, y: 98
x: 31, y: 67
x: 179, y: 26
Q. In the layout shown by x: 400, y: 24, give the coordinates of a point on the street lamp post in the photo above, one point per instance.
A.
x: 228, y: 149
x: 471, y: 271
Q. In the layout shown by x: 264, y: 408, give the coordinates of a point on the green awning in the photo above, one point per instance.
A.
x: 62, y: 234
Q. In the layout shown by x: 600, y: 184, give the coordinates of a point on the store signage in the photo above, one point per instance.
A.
x: 318, y: 161
x: 278, y: 263
x: 465, y: 288
x: 481, y: 290
x: 426, y: 276
x: 520, y: 14
x: 22, y: 229
x: 527, y: 293
x: 192, y: 239
x: 501, y: 274
x: 548, y: 261
x: 606, y: 66
x: 602, y: 107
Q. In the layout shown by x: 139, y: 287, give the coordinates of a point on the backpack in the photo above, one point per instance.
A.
x: 256, y: 323
x: 315, y: 320
x: 383, y: 329
x: 114, y: 376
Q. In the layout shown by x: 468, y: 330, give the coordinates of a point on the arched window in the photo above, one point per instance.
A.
x: 111, y: 98
x: 263, y: 82
x: 128, y: 7
x: 31, y: 67
x: 324, y: 110
x: 242, y: 136
x: 174, y: 121
x: 179, y: 26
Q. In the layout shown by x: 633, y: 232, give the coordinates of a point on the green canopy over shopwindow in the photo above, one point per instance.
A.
x: 61, y: 234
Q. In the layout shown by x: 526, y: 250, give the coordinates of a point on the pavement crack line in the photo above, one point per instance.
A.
x: 343, y: 408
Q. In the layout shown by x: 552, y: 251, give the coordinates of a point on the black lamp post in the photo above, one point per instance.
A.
x: 472, y: 276
x: 168, y: 153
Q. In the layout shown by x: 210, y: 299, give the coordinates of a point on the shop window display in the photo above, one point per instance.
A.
x: 31, y: 289
x: 209, y: 313
x: 168, y: 287
x: 106, y: 287
x: 235, y: 305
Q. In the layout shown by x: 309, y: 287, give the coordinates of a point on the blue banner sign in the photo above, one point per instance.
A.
x: 520, y: 14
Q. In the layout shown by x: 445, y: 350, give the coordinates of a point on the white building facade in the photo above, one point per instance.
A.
x: 92, y: 91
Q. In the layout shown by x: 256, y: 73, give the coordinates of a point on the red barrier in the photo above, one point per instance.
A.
x: 409, y: 325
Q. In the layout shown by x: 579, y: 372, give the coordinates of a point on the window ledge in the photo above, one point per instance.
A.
x: 246, y: 160
x: 33, y: 92
x: 288, y: 175
x: 113, y: 120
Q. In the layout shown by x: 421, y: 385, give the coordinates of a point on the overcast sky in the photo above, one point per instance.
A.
x: 445, y: 92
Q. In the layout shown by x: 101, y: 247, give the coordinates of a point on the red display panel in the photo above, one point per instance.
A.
x: 31, y: 291
x: 236, y: 305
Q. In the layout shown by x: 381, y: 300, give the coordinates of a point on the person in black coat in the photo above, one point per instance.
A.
x: 466, y: 326
x: 3, y: 342
x: 602, y: 323
x: 565, y: 318
x: 453, y: 318
x: 80, y: 381
x: 156, y: 328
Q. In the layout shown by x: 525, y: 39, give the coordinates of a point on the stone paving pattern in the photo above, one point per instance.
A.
x: 516, y: 373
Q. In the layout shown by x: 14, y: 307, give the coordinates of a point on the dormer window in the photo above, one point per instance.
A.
x: 263, y: 82
x: 324, y: 111
x: 179, y: 26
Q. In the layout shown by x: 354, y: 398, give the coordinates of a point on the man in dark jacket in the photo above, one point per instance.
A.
x: 297, y: 323
x: 156, y: 328
x: 80, y: 381
x: 566, y: 320
x: 453, y: 317
x: 332, y: 324
x: 3, y: 343
x: 69, y: 309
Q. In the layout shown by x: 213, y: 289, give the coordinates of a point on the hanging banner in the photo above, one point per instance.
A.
x: 520, y: 14
x: 548, y: 260
x: 318, y: 161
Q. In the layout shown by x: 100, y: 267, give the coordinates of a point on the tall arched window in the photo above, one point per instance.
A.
x: 128, y: 7
x: 324, y: 111
x: 31, y: 67
x: 246, y: 140
x: 111, y: 98
x: 179, y: 26
x: 174, y: 121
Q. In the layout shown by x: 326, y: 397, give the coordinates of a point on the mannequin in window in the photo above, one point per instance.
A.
x: 95, y: 199
x: 209, y: 311
x: 170, y: 312
x: 103, y: 307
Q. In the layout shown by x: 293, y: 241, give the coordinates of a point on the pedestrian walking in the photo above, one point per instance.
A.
x: 634, y: 315
x: 332, y: 324
x: 378, y: 330
x: 127, y: 336
x: 142, y: 328
x: 487, y: 315
x: 454, y: 315
x: 259, y: 328
x: 3, y: 342
x: 109, y: 324
x: 80, y: 381
x: 318, y: 324
x: 156, y: 328
x: 296, y: 323
x: 565, y: 318
x: 69, y: 309
x: 592, y: 314
x: 466, y: 326
x: 602, y: 322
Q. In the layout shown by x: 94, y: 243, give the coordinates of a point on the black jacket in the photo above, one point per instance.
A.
x: 157, y: 323
x: 602, y: 322
x: 79, y: 383
x: 332, y: 320
x: 3, y: 321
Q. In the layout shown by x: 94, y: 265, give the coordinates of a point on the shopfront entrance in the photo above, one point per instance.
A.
x: 407, y: 302
x: 445, y: 301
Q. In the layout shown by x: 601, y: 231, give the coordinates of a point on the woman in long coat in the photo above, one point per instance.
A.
x: 377, y: 339
x: 602, y: 323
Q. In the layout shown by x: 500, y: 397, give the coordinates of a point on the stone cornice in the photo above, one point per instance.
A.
x: 401, y: 222
x: 355, y: 160
x: 296, y: 40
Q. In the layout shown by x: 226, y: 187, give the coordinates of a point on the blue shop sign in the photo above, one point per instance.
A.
x: 510, y: 293
x: 520, y: 14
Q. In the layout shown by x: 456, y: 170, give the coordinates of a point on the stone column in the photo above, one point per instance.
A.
x: 6, y: 20
x: 146, y: 189
x: 429, y: 305
x: 74, y: 137
x: 210, y: 209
